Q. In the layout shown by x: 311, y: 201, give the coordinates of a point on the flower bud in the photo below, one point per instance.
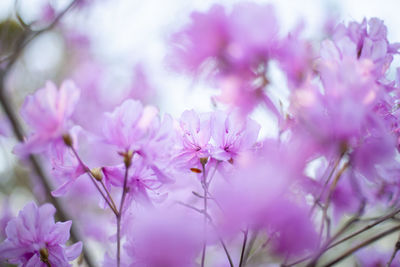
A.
x: 97, y: 174
x: 203, y: 161
x: 67, y: 140
x: 44, y: 255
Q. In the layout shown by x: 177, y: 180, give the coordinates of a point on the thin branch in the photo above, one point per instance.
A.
x: 93, y: 179
x: 119, y: 216
x: 361, y: 245
x: 30, y: 35
x: 243, y: 248
x: 205, y: 198
x: 389, y: 216
x: 250, y: 246
x: 226, y: 251
x: 395, y: 250
x: 108, y: 194
x: 352, y: 220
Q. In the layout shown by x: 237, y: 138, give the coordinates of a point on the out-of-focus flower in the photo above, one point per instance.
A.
x: 370, y: 42
x: 296, y: 57
x: 165, y: 238
x: 258, y: 196
x: 48, y: 112
x: 236, y: 47
x: 65, y: 166
x: 374, y: 257
x: 33, y: 239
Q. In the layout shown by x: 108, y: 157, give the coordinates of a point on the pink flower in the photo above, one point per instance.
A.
x: 157, y: 147
x: 166, y: 237
x: 207, y: 35
x: 235, y: 47
x: 47, y: 112
x: 296, y: 57
x: 236, y: 40
x: 232, y: 135
x: 341, y: 112
x: 141, y: 181
x: 369, y: 39
x: 65, y: 166
x: 195, y: 135
x: 258, y: 195
x: 33, y: 239
x: 127, y: 124
x: 132, y: 127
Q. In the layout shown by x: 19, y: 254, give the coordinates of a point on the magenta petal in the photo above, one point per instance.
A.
x: 59, y: 233
x: 73, y: 251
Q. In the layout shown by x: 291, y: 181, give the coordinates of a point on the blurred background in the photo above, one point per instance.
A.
x: 119, y: 47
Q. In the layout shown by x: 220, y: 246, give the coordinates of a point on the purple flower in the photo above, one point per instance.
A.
x: 195, y: 136
x: 236, y: 47
x: 258, y: 195
x: 375, y: 257
x: 141, y: 180
x: 127, y: 124
x: 47, y: 112
x: 33, y: 239
x: 65, y: 166
x: 296, y: 57
x: 232, y: 135
x: 207, y: 35
x: 368, y: 41
x: 166, y: 237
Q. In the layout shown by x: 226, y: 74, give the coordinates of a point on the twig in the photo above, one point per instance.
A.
x: 250, y: 246
x: 352, y: 220
x: 205, y: 187
x: 390, y: 215
x: 361, y: 245
x: 328, y: 199
x: 243, y: 248
x: 119, y: 216
x: 93, y: 179
x: 395, y: 250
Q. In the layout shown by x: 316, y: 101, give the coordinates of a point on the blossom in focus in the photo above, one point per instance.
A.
x: 47, y: 112
x: 33, y: 239
x: 195, y: 135
x: 65, y: 166
x: 127, y: 124
x: 232, y: 135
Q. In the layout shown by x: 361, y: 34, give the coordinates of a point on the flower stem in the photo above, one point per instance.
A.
x: 87, y: 170
x: 203, y: 256
x: 121, y: 206
x: 243, y: 248
x: 395, y: 250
